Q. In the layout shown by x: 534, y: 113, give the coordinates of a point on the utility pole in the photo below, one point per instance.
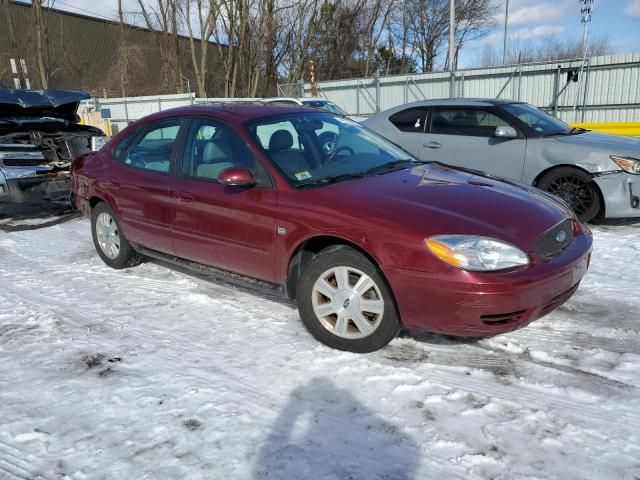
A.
x: 452, y: 32
x: 506, y: 23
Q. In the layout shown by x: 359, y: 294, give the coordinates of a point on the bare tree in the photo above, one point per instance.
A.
x: 205, y: 12
x: 161, y: 18
x: 552, y: 48
x: 42, y: 39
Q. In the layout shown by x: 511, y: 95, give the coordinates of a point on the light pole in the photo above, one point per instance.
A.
x: 586, y: 11
x: 504, y: 45
x: 452, y: 30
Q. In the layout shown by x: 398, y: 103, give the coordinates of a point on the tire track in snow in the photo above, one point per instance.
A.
x: 18, y: 464
x: 626, y: 420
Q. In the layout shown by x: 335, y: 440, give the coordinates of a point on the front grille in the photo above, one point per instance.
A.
x: 22, y: 162
x: 503, y: 318
x: 554, y: 240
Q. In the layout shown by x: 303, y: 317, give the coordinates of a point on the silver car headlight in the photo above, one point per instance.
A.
x: 476, y: 254
x: 628, y: 164
x: 97, y: 142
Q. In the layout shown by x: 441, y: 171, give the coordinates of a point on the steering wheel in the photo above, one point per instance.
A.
x: 332, y: 157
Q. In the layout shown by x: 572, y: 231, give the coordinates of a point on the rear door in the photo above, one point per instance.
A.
x: 410, y: 125
x: 142, y: 180
x: 464, y: 136
x: 231, y: 228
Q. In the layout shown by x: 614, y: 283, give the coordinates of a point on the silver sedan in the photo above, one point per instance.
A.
x: 595, y: 173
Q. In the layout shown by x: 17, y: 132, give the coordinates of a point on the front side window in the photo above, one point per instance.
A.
x: 153, y: 148
x: 213, y: 147
x: 463, y: 121
x: 410, y: 120
x: 321, y: 148
x: 534, y: 118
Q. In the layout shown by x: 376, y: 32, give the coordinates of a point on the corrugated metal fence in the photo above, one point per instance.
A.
x: 607, y: 91
x: 124, y: 110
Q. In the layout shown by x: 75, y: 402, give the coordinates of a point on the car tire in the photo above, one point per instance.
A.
x: 335, y: 291
x: 111, y: 244
x: 576, y: 188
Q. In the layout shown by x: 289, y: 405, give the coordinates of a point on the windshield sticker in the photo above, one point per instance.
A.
x: 303, y: 175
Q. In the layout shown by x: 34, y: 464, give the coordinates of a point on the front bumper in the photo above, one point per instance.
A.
x: 22, y: 185
x: 621, y: 194
x: 473, y: 304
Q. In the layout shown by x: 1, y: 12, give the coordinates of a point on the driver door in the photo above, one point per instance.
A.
x: 464, y: 137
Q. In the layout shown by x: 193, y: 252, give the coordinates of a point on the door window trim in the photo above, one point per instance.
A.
x: 261, y: 173
x: 427, y: 118
x: 135, y: 138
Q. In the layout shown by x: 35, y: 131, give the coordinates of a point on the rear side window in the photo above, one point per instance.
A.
x: 153, y: 148
x: 410, y: 120
x: 467, y: 122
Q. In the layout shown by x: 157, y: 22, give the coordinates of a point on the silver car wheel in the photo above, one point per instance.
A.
x: 108, y: 235
x: 347, y: 302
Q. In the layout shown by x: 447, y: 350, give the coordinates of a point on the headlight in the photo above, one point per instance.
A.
x: 98, y: 142
x: 479, y: 254
x: 628, y: 164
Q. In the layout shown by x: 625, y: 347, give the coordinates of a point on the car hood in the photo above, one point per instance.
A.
x: 612, y: 144
x: 41, y: 103
x: 438, y: 199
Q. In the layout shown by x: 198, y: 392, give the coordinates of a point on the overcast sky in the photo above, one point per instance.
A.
x: 529, y: 21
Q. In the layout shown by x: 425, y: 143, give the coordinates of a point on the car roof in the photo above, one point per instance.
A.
x: 244, y: 110
x: 295, y: 99
x: 462, y: 102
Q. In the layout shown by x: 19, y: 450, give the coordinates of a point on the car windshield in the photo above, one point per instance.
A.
x: 325, y: 105
x: 315, y: 149
x: 543, y: 123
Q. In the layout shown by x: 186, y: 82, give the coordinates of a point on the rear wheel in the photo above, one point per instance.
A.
x: 345, y: 302
x: 110, y: 242
x: 576, y: 188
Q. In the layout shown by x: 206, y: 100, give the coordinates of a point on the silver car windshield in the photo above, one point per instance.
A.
x: 322, y: 148
x: 543, y: 123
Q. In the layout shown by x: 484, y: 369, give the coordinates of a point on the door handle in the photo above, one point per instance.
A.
x: 112, y: 184
x: 432, y: 145
x: 182, y: 197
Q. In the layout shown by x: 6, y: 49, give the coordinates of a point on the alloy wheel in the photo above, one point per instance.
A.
x: 108, y: 235
x: 577, y: 193
x: 347, y: 302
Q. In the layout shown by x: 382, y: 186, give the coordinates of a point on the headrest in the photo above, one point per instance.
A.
x: 280, y: 140
x: 216, y: 151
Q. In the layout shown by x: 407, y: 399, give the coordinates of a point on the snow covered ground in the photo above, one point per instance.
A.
x: 150, y: 373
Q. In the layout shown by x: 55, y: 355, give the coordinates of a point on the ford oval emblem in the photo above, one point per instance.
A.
x: 561, y: 236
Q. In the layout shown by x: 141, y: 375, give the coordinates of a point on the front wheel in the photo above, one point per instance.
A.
x: 576, y: 188
x: 345, y: 302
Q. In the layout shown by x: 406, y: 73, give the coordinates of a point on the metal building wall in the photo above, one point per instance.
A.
x: 612, y: 86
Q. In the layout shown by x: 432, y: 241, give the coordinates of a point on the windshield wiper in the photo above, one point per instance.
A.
x: 577, y: 131
x: 573, y: 131
x: 335, y: 179
x: 385, y: 167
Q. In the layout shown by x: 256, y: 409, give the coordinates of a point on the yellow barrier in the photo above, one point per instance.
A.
x: 629, y: 129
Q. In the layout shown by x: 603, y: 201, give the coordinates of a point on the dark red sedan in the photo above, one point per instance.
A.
x: 365, y: 237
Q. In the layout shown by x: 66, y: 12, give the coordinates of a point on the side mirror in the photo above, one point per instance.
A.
x: 237, y: 177
x: 505, y: 131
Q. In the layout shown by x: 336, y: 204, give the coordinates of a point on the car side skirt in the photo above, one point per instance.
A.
x: 268, y: 290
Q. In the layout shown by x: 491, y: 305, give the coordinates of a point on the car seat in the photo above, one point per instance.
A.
x: 217, y: 155
x: 289, y: 160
